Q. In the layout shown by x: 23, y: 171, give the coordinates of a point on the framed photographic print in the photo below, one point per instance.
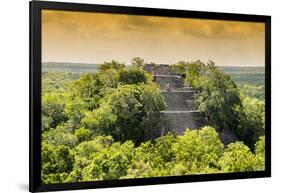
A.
x: 125, y: 96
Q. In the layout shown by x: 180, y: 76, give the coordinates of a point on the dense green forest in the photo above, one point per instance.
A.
x: 68, y: 67
x: 249, y: 79
x: 99, y: 125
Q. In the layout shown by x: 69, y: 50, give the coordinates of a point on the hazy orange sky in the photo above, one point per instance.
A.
x: 96, y: 37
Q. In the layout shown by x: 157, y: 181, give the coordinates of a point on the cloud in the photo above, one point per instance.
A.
x: 87, y: 24
x: 223, y: 29
x: 90, y: 37
x: 143, y: 24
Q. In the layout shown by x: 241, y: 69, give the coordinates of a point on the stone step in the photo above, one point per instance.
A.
x: 186, y: 88
x: 178, y: 121
x: 167, y: 82
x: 162, y: 69
x: 179, y: 100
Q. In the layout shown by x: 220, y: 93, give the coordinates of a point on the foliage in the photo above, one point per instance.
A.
x: 75, y: 110
x: 245, y: 75
x: 180, y: 68
x: 82, y: 134
x: 138, y: 62
x: 109, y: 78
x: 195, y: 74
x: 237, y: 158
x: 57, y: 163
x: 253, y: 121
x: 110, y: 163
x: 92, y: 87
x: 124, y: 113
x: 111, y: 65
x: 195, y: 152
x: 221, y: 101
x: 57, y: 81
x: 218, y: 97
x: 198, y: 151
x: 60, y: 136
x: 132, y: 75
x: 146, y: 162
x: 100, y: 120
x: 62, y: 67
x: 253, y: 91
x: 52, y: 110
x: 103, y: 125
x: 118, y: 101
x: 86, y: 148
x: 88, y: 86
x: 260, y: 153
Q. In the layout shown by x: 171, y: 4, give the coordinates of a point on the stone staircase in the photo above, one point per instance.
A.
x: 171, y: 81
x: 181, y: 112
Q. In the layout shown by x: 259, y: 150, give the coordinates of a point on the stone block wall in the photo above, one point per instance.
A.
x: 169, y: 82
x: 178, y: 121
x: 179, y: 100
x: 181, y: 111
x: 158, y: 69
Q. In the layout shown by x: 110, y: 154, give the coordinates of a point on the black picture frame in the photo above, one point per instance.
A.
x: 35, y: 184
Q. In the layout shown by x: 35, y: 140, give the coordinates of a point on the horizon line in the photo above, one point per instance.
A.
x: 145, y: 63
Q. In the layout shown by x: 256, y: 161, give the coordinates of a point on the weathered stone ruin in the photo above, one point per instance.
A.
x: 181, y: 112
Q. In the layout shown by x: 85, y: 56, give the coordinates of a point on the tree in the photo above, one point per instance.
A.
x: 52, y: 111
x: 194, y: 152
x: 75, y: 110
x: 100, y: 121
x: 91, y: 87
x: 253, y: 91
x: 124, y: 113
x: 82, y: 134
x: 164, y: 146
x: 84, y: 153
x: 86, y: 149
x: 111, y: 65
x: 110, y: 163
x: 197, y: 151
x: 57, y: 82
x: 260, y: 154
x: 107, y: 125
x: 195, y: 74
x: 237, y: 158
x: 253, y: 121
x: 146, y: 162
x: 109, y: 78
x: 180, y: 68
x: 133, y: 75
x: 60, y: 136
x: 57, y: 163
x: 138, y: 62
x: 88, y: 86
x: 219, y: 100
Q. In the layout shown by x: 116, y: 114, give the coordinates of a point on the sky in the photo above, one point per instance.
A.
x: 83, y: 37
